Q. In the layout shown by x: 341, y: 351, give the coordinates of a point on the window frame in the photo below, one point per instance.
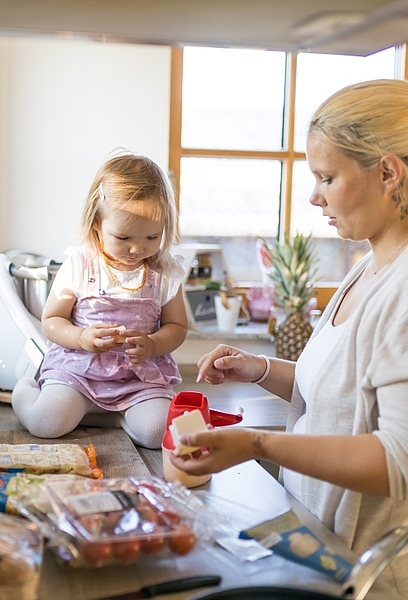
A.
x: 287, y: 155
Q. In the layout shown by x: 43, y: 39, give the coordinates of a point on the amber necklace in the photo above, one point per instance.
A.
x: 116, y: 282
x: 387, y: 261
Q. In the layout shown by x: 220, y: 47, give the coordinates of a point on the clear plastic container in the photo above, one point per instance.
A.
x: 95, y: 523
x: 21, y: 545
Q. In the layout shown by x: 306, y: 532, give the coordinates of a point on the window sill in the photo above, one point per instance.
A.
x: 250, y: 331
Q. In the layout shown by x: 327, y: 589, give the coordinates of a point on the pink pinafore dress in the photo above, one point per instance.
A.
x: 110, y: 379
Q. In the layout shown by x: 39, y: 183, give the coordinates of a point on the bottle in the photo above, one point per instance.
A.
x: 204, y: 267
x: 314, y: 317
x: 277, y: 316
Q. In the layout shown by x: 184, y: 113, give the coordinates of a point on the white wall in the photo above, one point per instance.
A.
x: 64, y: 106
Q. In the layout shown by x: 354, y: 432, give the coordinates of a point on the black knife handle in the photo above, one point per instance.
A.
x: 178, y: 585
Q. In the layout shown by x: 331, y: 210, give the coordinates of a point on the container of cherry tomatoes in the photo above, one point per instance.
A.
x: 119, y: 521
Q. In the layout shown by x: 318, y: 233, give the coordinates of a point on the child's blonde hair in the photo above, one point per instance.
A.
x: 124, y: 182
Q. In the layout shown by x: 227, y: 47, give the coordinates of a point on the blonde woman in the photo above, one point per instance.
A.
x: 345, y: 452
x: 114, y: 314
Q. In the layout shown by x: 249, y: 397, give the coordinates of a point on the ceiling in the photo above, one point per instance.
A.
x: 358, y: 27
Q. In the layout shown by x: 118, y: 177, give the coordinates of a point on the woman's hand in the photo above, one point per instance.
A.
x: 227, y: 362
x: 355, y: 462
x: 143, y: 346
x: 222, y: 448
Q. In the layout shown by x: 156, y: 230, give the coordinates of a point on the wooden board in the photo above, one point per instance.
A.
x: 115, y: 451
x: 5, y: 397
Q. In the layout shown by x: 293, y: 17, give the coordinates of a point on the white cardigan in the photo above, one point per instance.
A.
x: 363, y: 388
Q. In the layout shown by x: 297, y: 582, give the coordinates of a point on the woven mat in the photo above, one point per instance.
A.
x: 116, y: 454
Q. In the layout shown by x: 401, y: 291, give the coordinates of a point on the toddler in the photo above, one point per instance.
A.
x: 115, y: 312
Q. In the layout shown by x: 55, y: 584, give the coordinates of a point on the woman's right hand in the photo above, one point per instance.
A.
x: 227, y: 362
x: 223, y: 448
x: 99, y: 338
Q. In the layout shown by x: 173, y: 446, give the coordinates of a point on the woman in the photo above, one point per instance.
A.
x: 345, y: 453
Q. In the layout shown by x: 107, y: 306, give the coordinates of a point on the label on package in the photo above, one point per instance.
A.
x: 99, y: 502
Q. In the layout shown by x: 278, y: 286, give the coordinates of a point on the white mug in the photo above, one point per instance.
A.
x: 227, y: 317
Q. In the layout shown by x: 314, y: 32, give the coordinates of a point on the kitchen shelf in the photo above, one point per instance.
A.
x: 190, y: 252
x: 218, y: 273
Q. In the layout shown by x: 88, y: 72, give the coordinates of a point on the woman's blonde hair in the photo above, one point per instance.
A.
x: 366, y: 120
x: 130, y: 182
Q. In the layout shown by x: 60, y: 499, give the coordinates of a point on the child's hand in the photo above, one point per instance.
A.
x: 143, y: 346
x: 100, y: 338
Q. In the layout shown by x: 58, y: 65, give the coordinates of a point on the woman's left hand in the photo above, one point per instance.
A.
x: 143, y: 346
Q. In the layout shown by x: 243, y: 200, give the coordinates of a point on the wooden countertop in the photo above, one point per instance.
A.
x: 247, y: 484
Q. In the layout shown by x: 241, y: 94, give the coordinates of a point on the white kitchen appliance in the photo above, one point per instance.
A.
x: 25, y: 282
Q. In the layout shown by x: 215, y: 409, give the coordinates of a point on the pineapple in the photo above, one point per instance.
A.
x: 293, y: 270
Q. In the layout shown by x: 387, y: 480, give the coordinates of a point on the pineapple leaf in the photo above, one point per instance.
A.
x: 293, y: 271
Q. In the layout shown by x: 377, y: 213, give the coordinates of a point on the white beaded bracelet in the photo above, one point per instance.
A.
x: 268, y: 368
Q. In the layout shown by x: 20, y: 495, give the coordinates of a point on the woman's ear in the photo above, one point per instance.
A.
x: 392, y: 171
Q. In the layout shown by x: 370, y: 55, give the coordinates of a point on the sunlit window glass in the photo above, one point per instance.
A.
x: 320, y: 75
x: 230, y: 202
x: 232, y: 99
x: 221, y: 196
x: 233, y: 102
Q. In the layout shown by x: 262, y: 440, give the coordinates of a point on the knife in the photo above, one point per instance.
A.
x: 177, y: 585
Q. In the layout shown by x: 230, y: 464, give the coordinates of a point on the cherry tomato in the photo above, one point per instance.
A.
x: 182, y: 539
x: 148, y: 513
x: 93, y: 486
x: 142, y: 501
x: 96, y: 552
x: 168, y: 517
x: 110, y: 521
x: 128, y: 550
x: 91, y: 523
x: 148, y: 486
x: 153, y: 543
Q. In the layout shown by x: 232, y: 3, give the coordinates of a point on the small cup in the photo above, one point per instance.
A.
x: 171, y: 473
x: 227, y: 317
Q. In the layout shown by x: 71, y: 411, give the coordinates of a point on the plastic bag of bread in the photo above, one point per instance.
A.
x: 21, y: 547
x: 50, y: 458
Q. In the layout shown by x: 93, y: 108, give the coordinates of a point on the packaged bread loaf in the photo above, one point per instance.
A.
x: 50, y: 458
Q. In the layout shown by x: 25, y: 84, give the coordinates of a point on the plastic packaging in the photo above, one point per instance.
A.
x: 287, y: 536
x: 15, y: 487
x: 95, y: 523
x: 21, y: 545
x: 260, y: 302
x: 50, y: 458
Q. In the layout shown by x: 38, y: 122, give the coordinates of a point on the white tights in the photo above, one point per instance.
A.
x: 57, y: 409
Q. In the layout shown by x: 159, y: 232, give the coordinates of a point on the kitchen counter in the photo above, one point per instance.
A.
x: 247, y: 484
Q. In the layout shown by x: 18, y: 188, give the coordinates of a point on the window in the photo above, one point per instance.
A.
x: 238, y: 127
